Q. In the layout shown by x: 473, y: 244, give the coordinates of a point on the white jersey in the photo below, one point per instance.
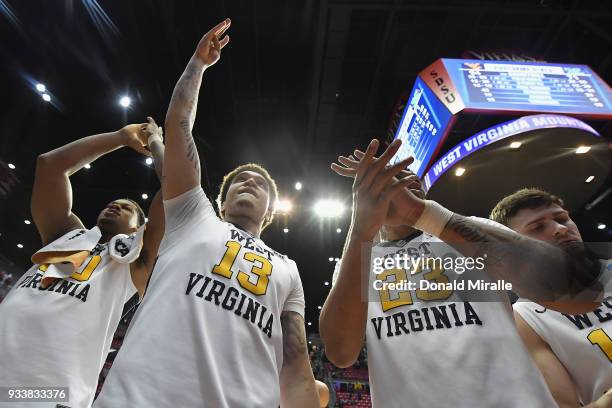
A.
x: 583, y: 343
x: 60, y: 336
x: 208, y: 332
x: 445, y: 352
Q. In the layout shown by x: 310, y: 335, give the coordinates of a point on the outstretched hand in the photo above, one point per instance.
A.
x: 136, y: 136
x: 209, y: 47
x: 407, y: 205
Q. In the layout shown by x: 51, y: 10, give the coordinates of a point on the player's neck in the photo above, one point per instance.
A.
x: 246, y: 224
x: 397, y: 233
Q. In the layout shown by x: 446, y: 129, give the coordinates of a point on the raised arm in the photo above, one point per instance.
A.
x: 51, y: 202
x: 562, y: 280
x: 141, y: 269
x: 342, y: 323
x: 297, y: 383
x: 182, y: 167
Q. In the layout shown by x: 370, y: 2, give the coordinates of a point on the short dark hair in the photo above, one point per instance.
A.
x: 510, y: 205
x: 229, y: 178
x: 141, y: 214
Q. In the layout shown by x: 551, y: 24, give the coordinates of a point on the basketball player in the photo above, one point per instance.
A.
x: 222, y: 323
x: 426, y: 348
x: 574, y: 352
x: 56, y: 332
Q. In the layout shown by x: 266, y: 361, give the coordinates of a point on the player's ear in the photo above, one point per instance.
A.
x: 222, y: 208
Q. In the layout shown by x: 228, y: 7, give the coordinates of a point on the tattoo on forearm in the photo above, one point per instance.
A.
x: 192, y: 151
x: 294, y: 336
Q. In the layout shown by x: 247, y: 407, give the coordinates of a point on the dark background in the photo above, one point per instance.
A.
x: 300, y: 82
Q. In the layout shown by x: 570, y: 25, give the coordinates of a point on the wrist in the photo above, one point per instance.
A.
x: 433, y: 218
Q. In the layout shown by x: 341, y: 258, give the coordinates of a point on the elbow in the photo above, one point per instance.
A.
x: 340, y: 357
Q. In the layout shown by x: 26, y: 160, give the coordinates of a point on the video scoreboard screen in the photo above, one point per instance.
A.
x: 448, y: 87
x: 423, y: 125
x: 529, y: 87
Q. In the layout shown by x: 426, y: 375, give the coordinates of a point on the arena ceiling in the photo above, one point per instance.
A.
x: 300, y: 83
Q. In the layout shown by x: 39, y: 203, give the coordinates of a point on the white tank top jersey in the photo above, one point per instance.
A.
x: 449, y: 353
x: 60, y: 336
x: 208, y: 331
x: 583, y: 343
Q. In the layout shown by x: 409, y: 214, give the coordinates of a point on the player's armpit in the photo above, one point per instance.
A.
x: 557, y: 378
x: 296, y: 380
x: 154, y: 232
x: 51, y: 203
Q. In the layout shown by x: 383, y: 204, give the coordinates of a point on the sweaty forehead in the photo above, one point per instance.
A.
x: 250, y: 173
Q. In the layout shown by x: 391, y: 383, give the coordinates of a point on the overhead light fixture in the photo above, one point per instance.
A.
x: 11, y: 166
x: 460, y: 171
x: 46, y: 97
x: 87, y: 166
x: 331, y: 259
x: 285, y: 230
x: 149, y: 161
x: 283, y: 206
x: 515, y: 145
x: 583, y: 149
x: 601, y: 226
x: 298, y: 186
x: 145, y: 196
x: 41, y: 87
x: 338, y: 230
x: 125, y: 101
x: 27, y: 222
x: 319, y: 307
x: 589, y: 179
x: 326, y: 283
x: 310, y: 323
x: 19, y: 246
x: 329, y: 208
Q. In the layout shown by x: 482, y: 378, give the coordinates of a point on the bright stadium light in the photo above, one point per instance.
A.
x: 283, y: 206
x: 125, y: 101
x: 329, y: 208
x: 41, y: 87
x: 298, y: 186
x: 601, y: 226
x: 285, y: 230
x: 589, y: 179
x: 149, y: 161
x: 583, y: 149
x: 338, y: 230
x: 87, y: 166
x: 326, y: 283
x: 515, y: 145
x: 19, y: 246
x: 46, y: 97
x: 27, y: 222
x: 11, y: 166
x: 144, y: 196
x: 459, y: 172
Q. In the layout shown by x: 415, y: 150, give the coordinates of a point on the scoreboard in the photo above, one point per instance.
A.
x: 450, y: 87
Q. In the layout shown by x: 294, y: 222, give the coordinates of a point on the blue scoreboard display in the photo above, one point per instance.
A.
x: 529, y: 87
x: 423, y: 126
x: 449, y: 87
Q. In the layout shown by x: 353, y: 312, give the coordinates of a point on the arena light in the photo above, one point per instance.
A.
x: 460, y: 171
x: 329, y: 208
x: 601, y: 226
x: 87, y: 166
x: 46, y: 97
x: 326, y: 283
x: 19, y: 246
x: 27, y: 222
x: 319, y: 307
x: 331, y: 259
x: 286, y: 230
x: 145, y: 196
x: 125, y: 101
x: 515, y: 145
x: 310, y: 323
x: 149, y: 161
x: 146, y: 219
x: 583, y: 149
x: 298, y: 186
x: 283, y: 206
x: 11, y: 166
x: 337, y: 259
x: 41, y: 87
x: 338, y: 230
x: 589, y: 179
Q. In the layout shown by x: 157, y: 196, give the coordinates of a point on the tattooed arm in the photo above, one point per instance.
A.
x: 559, y: 279
x: 297, y: 383
x: 182, y: 163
